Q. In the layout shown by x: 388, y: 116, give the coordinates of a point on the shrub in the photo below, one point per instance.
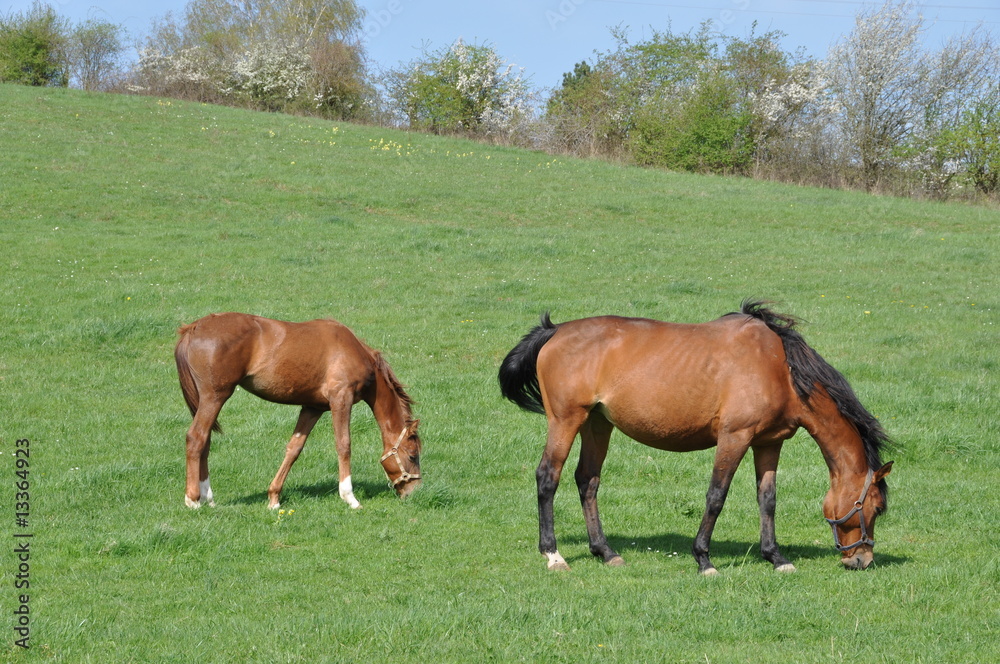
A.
x: 581, y: 113
x: 268, y: 76
x: 94, y: 51
x: 338, y: 86
x: 703, y: 130
x: 269, y: 55
x: 33, y: 48
x: 462, y: 89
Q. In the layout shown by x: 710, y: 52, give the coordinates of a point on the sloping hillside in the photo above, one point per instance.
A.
x: 122, y: 218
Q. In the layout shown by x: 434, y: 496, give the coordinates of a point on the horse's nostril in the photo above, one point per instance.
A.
x: 858, y: 562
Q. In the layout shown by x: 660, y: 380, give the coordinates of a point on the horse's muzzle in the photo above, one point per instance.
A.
x: 409, y: 487
x: 858, y: 558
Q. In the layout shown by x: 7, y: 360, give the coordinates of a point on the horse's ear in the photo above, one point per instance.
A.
x: 882, y: 472
x: 413, y: 424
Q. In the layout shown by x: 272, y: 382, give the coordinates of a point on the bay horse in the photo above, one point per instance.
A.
x: 745, y: 381
x: 319, y: 365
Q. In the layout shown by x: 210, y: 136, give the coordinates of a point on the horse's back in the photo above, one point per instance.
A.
x: 229, y: 326
x: 672, y: 350
x: 287, y: 362
x: 233, y: 329
x: 308, y: 362
x: 659, y: 381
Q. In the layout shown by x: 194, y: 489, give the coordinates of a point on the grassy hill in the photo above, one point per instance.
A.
x: 122, y: 218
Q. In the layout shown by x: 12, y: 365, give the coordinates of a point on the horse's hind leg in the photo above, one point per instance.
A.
x: 562, y: 431
x: 198, y: 490
x: 594, y: 436
x: 307, y: 420
x: 765, y: 461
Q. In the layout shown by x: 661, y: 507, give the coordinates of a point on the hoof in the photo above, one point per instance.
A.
x: 616, y: 561
x: 787, y: 568
x: 274, y: 506
x: 556, y: 562
x: 193, y: 504
x: 347, y: 493
x: 711, y: 571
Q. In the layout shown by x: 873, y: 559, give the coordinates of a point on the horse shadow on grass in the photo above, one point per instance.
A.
x: 326, y: 489
x: 724, y: 553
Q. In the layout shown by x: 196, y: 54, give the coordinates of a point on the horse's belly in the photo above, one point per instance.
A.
x: 676, y: 432
x: 674, y: 441
x: 283, y: 392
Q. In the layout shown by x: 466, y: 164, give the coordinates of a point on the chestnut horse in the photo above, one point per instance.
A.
x: 745, y: 381
x: 319, y: 365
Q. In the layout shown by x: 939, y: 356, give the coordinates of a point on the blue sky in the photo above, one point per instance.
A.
x: 547, y: 37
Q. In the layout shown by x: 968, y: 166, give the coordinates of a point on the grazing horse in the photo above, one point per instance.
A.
x: 745, y: 381
x: 319, y: 365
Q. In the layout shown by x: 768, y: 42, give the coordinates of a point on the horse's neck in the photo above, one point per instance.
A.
x: 388, y: 409
x: 837, y: 437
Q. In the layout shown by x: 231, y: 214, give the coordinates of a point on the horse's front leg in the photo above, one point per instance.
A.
x: 557, y: 447
x: 304, y: 425
x: 765, y: 461
x: 341, y: 411
x: 728, y: 455
x: 594, y: 437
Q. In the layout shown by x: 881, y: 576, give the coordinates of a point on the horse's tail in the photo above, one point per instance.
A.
x: 188, y: 385
x: 809, y: 369
x: 518, y: 376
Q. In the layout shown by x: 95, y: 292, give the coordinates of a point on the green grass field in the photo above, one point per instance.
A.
x: 122, y: 218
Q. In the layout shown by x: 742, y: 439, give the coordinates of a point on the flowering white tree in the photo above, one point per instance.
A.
x: 464, y: 88
x: 792, y: 118
x: 787, y: 108
x: 270, y: 75
x: 880, y: 75
x: 187, y: 71
x: 900, y: 100
x: 265, y: 53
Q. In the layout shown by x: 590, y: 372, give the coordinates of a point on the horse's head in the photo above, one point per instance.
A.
x: 402, y: 462
x: 851, y: 512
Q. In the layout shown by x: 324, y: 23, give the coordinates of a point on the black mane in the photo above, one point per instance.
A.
x: 809, y: 369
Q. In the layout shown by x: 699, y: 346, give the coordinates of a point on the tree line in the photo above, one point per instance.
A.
x: 881, y: 112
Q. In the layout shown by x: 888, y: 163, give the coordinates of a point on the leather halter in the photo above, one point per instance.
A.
x: 404, y: 476
x: 855, y: 510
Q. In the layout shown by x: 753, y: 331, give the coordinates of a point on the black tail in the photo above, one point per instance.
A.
x: 518, y: 378
x: 809, y: 369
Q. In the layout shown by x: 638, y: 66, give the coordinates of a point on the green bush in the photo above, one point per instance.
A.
x: 675, y: 100
x: 704, y: 131
x: 975, y: 143
x: 32, y: 48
